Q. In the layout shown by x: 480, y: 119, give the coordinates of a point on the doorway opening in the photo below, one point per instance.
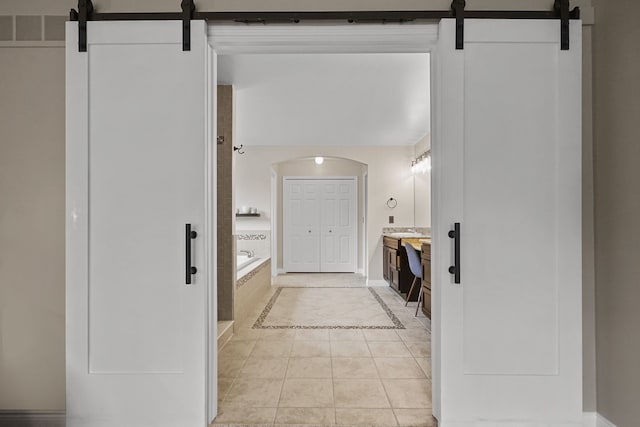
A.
x: 337, y: 347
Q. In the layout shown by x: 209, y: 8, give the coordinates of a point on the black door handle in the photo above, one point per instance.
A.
x: 455, y: 268
x: 190, y: 270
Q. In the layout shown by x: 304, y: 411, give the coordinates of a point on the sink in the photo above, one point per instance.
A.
x: 407, y: 234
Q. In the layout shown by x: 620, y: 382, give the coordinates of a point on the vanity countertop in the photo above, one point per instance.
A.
x: 415, y: 241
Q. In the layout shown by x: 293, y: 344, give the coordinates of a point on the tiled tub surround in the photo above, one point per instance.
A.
x: 253, y: 282
x: 345, y: 377
x: 257, y: 241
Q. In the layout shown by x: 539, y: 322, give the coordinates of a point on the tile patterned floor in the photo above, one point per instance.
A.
x: 332, y: 377
x: 332, y: 308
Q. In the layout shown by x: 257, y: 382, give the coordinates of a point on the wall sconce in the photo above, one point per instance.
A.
x: 422, y: 163
x: 319, y: 160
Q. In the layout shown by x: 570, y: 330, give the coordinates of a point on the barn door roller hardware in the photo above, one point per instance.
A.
x: 457, y: 6
x: 84, y: 14
x: 561, y: 11
x: 188, y: 7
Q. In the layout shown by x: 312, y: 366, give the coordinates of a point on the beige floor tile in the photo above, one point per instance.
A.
x: 236, y: 349
x: 246, y: 335
x: 254, y: 392
x: 419, y: 334
x: 236, y: 414
x: 413, y: 323
x: 354, y: 367
x: 310, y: 349
x: 272, y: 349
x: 349, y: 349
x: 277, y: 334
x: 317, y: 416
x: 381, y: 335
x: 230, y: 368
x: 264, y: 367
x: 346, y: 335
x: 309, y: 367
x: 224, y: 384
x: 415, y: 417
x: 361, y: 417
x: 419, y: 348
x: 312, y: 335
x: 323, y: 306
x: 306, y: 393
x: 409, y: 393
x: 359, y: 393
x: 425, y: 365
x: 388, y: 349
x: 398, y: 367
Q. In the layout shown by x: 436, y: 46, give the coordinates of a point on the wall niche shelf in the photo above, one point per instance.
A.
x: 247, y: 214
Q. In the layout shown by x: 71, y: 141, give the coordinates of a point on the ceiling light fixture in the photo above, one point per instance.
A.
x: 319, y: 160
x: 422, y: 163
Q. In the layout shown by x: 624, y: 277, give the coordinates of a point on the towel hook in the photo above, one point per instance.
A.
x: 392, y: 203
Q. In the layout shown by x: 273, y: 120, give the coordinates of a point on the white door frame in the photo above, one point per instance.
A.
x: 325, y: 178
x: 362, y: 239
x: 236, y: 39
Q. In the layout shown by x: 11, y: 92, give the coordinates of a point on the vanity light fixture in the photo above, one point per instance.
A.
x: 319, y: 160
x: 422, y: 163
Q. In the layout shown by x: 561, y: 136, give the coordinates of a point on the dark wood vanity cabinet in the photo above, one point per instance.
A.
x: 426, y: 279
x: 390, y: 262
x: 395, y: 267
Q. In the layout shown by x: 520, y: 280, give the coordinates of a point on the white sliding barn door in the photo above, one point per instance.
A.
x: 508, y: 169
x: 338, y: 225
x: 137, y: 156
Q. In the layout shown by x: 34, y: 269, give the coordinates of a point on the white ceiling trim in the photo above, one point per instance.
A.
x: 230, y: 39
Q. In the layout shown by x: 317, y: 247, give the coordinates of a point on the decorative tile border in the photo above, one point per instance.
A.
x: 244, y: 279
x: 259, y: 324
x: 252, y: 236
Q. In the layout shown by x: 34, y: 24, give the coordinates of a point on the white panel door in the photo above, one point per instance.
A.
x: 301, y: 223
x: 338, y: 226
x: 508, y: 169
x: 137, y: 157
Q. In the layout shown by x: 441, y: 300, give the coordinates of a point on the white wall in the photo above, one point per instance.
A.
x: 389, y: 171
x: 43, y: 388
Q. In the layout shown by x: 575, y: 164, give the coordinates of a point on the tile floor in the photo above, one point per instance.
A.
x: 346, y: 377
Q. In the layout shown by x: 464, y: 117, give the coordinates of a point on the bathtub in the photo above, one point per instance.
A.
x: 253, y: 281
x: 243, y: 261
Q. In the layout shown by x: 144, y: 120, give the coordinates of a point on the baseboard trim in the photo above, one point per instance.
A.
x: 589, y: 419
x: 603, y: 422
x: 32, y: 418
x: 58, y: 419
x: 377, y: 283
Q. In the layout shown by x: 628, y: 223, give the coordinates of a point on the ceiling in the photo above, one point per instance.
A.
x: 329, y: 99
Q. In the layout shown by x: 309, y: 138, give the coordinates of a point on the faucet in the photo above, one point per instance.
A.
x: 249, y: 253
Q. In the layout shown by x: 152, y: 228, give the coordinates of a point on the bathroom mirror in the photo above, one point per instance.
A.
x: 422, y: 184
